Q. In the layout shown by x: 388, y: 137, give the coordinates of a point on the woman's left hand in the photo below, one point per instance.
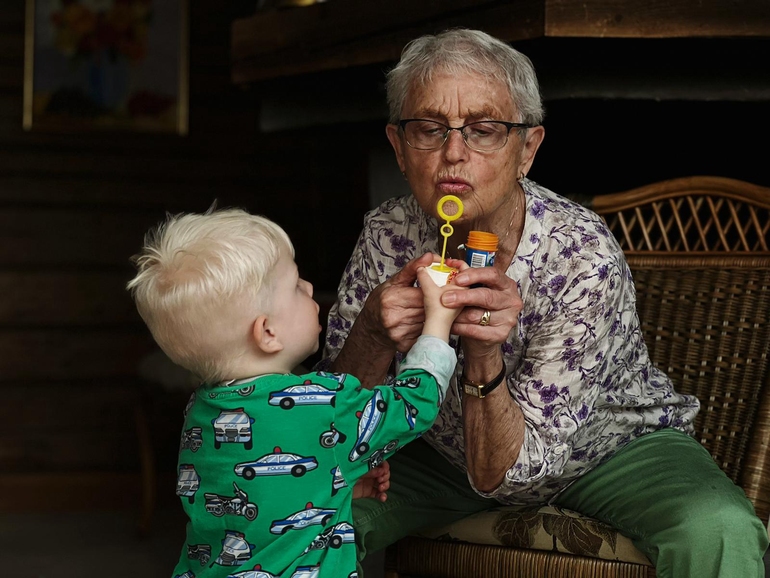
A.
x: 499, y: 295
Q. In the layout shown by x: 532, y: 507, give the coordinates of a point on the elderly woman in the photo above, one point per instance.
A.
x: 554, y: 398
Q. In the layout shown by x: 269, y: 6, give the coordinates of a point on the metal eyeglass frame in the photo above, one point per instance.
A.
x: 509, y: 125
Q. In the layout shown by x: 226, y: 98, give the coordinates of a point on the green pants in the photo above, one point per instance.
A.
x: 663, y: 491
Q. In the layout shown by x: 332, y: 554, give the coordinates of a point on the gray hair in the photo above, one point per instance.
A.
x: 462, y: 51
x: 198, y: 272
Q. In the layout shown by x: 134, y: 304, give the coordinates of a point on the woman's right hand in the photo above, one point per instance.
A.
x: 391, y: 320
x: 394, y: 312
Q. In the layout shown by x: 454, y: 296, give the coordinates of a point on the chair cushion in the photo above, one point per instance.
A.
x: 546, y: 528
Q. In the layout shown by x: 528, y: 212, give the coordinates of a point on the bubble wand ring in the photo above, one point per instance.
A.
x: 447, y: 229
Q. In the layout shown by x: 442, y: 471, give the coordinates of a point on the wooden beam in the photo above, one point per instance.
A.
x: 347, y: 33
x: 371, y: 33
x: 657, y: 18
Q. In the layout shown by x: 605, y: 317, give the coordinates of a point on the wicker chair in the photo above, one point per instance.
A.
x: 698, y: 248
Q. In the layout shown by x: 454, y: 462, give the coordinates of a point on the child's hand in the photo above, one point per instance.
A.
x: 374, y: 483
x: 439, y: 319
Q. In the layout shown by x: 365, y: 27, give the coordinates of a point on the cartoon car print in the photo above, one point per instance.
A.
x: 378, y: 456
x: 338, y: 481
x: 338, y: 377
x: 410, y: 382
x: 307, y: 571
x: 232, y: 427
x: 410, y: 411
x: 310, y: 516
x: 331, y: 438
x: 200, y: 552
x: 192, y: 439
x: 188, y: 482
x: 237, y: 505
x: 276, y: 464
x: 342, y: 533
x: 306, y: 394
x: 368, y: 419
x: 257, y: 572
x: 235, y: 549
x: 334, y: 537
x: 188, y: 574
x: 353, y: 574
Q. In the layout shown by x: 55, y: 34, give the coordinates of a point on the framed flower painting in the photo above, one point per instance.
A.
x: 106, y: 65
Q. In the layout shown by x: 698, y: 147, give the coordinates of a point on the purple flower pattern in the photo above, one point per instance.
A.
x: 578, y: 365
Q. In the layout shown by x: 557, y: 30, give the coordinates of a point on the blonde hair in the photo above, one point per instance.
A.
x: 199, y: 276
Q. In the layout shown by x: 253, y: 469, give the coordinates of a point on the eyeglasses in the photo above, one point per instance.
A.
x: 482, y: 136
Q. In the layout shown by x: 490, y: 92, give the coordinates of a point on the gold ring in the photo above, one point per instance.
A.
x: 485, y: 318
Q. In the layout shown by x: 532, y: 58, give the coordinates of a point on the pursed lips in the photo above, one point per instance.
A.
x: 453, y: 186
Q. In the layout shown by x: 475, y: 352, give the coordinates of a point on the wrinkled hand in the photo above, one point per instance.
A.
x: 393, y: 313
x: 499, y: 296
x: 374, y: 484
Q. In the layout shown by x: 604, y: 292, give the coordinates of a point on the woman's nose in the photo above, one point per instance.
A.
x: 455, y: 147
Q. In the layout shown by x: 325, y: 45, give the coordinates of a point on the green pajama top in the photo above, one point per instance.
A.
x: 267, y: 464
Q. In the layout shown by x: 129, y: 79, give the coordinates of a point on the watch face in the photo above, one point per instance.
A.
x: 473, y: 390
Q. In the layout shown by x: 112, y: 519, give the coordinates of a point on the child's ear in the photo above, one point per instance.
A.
x: 264, y: 335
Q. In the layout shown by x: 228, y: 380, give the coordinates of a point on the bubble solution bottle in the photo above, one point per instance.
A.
x: 480, y: 249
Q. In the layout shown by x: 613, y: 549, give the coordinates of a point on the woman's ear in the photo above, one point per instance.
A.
x: 532, y: 142
x: 394, y: 136
x: 264, y: 336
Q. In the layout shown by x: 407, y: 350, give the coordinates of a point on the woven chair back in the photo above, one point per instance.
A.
x: 698, y: 252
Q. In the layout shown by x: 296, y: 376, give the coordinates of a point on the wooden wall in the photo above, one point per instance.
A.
x: 74, y: 207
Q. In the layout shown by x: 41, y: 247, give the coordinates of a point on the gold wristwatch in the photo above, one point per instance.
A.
x: 481, y: 390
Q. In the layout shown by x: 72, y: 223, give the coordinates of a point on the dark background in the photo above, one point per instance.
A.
x: 306, y: 151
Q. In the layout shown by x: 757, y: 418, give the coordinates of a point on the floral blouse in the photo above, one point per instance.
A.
x: 577, y: 362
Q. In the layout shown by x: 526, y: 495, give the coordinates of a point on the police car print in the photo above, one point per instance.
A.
x: 410, y: 411
x: 307, y: 393
x: 338, y: 481
x: 368, y: 420
x: 233, y: 426
x: 188, y: 482
x: 309, y: 516
x: 338, y: 377
x: 307, y: 571
x: 333, y: 537
x: 278, y: 463
x: 256, y: 572
x: 235, y: 549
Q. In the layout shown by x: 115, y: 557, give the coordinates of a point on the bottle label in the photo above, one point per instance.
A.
x: 476, y: 258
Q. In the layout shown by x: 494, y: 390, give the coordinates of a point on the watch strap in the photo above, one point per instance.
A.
x: 481, y: 390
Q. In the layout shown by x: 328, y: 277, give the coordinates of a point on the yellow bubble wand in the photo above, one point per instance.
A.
x: 444, y: 203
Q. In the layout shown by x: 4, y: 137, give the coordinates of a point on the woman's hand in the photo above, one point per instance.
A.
x: 394, y: 312
x: 499, y: 296
x: 391, y: 320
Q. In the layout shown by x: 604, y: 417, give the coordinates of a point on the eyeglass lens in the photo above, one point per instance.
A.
x: 430, y: 135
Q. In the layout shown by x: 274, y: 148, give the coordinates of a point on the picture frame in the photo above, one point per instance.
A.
x: 96, y: 65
